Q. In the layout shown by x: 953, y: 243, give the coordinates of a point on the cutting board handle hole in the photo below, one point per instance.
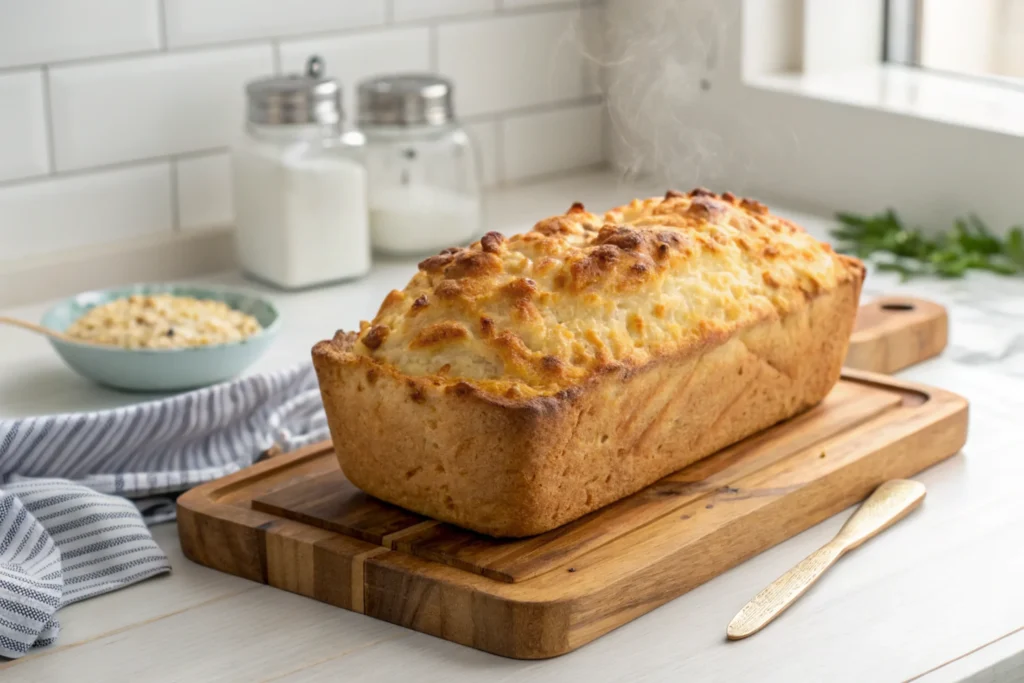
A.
x: 896, y: 306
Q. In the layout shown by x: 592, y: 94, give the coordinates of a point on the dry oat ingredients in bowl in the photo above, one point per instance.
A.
x: 155, y: 337
x: 163, y: 321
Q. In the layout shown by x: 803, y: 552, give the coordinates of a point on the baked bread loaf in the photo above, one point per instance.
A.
x: 519, y: 383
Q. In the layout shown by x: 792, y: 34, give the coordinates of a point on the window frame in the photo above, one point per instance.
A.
x: 902, y: 36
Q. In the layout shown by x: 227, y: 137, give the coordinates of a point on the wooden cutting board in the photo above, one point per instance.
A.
x: 295, y: 522
x: 895, y: 332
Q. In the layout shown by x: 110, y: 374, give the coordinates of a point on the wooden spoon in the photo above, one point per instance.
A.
x: 39, y: 329
x: 891, y: 502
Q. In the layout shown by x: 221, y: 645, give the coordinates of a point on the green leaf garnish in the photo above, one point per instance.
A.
x: 884, y: 239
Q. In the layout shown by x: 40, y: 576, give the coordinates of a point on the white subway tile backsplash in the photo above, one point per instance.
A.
x: 115, y: 114
x: 521, y: 4
x: 590, y: 30
x: 485, y: 136
x: 23, y: 146
x: 196, y: 22
x: 84, y: 210
x: 150, y: 106
x: 204, y: 191
x: 412, y: 10
x: 513, y: 61
x: 538, y: 144
x: 46, y: 31
x: 352, y: 58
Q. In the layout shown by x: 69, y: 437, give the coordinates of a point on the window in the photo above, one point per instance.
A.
x: 982, y: 38
x: 797, y: 105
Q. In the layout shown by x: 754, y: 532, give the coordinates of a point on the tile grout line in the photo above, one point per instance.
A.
x: 307, y: 35
x: 175, y: 197
x: 499, y: 151
x: 193, y: 253
x: 498, y: 117
x: 275, y: 46
x: 103, y: 250
x: 62, y: 63
x: 147, y: 247
x: 606, y: 133
x: 579, y: 31
x: 433, y: 47
x: 557, y: 6
x: 115, y: 166
x: 529, y: 110
x: 162, y: 24
x: 536, y: 178
x: 51, y: 142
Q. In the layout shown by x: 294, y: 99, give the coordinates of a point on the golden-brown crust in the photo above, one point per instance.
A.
x: 521, y: 465
x: 511, y: 433
x: 641, y: 281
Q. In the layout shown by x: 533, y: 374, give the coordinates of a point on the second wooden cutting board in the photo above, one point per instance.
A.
x: 894, y: 332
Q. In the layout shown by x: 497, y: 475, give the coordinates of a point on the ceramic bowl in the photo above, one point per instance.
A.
x: 158, y: 370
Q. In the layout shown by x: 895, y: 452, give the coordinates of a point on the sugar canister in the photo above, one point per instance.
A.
x: 300, y: 184
x: 424, y: 190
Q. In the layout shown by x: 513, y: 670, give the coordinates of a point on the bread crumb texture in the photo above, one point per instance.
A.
x: 537, y: 312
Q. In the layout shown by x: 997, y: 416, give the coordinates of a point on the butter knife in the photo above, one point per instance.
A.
x: 890, y: 502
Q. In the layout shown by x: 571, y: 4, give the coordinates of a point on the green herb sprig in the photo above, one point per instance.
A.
x: 885, y: 240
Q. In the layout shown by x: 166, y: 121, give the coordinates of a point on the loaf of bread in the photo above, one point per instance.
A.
x: 521, y: 382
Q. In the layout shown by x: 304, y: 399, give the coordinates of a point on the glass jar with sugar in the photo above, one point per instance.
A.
x: 424, y: 192
x: 300, y: 184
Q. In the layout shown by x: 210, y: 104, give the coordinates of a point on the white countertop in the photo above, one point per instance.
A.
x: 940, y: 596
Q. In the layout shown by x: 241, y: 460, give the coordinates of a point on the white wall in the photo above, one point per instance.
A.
x: 115, y: 114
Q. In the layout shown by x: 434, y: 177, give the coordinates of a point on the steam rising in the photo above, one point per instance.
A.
x: 657, y: 59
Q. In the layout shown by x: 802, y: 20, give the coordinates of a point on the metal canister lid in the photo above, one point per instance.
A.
x: 405, y: 100
x: 295, y: 98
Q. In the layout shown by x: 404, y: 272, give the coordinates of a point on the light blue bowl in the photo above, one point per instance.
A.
x: 154, y: 370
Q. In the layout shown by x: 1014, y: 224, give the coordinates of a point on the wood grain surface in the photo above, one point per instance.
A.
x: 294, y: 523
x: 331, y: 502
x: 895, y: 332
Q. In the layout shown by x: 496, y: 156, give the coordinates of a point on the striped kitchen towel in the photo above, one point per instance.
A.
x: 149, y: 450
x: 61, y: 542
x: 68, y: 530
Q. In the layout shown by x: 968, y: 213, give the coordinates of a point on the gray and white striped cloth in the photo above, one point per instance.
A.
x: 60, y: 543
x: 67, y: 530
x: 149, y: 450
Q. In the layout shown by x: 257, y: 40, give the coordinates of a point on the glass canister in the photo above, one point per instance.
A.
x: 424, y: 192
x: 300, y: 184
